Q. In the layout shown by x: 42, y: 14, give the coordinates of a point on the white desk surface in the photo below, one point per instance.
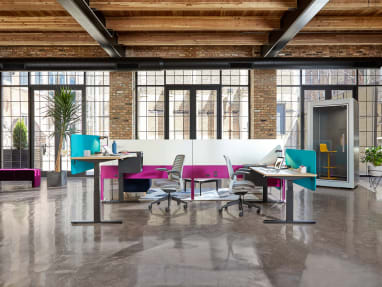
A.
x: 104, y: 157
x: 269, y: 172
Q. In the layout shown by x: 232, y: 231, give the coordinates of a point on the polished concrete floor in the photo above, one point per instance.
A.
x: 40, y: 247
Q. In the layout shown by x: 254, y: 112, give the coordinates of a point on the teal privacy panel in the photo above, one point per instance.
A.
x: 295, y: 158
x: 79, y: 143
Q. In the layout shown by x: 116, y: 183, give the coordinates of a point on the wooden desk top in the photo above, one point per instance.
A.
x: 281, y: 173
x: 104, y: 157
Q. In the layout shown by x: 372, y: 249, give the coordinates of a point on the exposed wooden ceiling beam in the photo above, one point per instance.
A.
x: 291, y: 24
x: 61, y: 23
x: 193, y: 23
x: 28, y: 5
x: 191, y: 39
x: 353, y: 4
x: 337, y: 39
x: 348, y: 23
x: 93, y: 24
x: 46, y: 39
x: 186, y: 5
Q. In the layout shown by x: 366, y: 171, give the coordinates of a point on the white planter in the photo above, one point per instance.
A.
x: 374, y: 170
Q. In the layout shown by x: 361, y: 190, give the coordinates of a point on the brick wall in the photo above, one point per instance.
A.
x: 121, y: 105
x: 52, y: 51
x: 263, y: 104
x: 192, y: 51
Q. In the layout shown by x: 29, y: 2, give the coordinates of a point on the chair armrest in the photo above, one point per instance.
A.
x: 162, y: 169
x: 174, y: 172
x: 244, y: 169
x: 241, y: 172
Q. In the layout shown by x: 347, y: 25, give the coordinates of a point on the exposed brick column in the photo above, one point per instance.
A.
x: 263, y: 104
x: 121, y: 105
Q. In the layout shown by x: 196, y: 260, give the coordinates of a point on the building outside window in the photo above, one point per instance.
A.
x: 192, y: 104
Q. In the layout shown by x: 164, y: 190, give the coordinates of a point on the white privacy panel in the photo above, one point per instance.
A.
x: 210, y: 152
x: 202, y: 152
x: 157, y: 152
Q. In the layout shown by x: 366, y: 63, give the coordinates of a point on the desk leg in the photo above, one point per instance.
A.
x: 265, y: 190
x: 120, y: 186
x: 96, y: 202
x: 192, y: 189
x: 289, y: 209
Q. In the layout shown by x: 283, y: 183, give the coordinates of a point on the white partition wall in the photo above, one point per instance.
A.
x: 158, y: 152
x: 239, y: 151
x: 202, y: 152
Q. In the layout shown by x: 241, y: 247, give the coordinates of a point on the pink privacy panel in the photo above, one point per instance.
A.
x: 196, y: 171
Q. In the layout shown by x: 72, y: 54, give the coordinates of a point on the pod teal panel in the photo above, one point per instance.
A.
x: 79, y: 143
x: 295, y: 158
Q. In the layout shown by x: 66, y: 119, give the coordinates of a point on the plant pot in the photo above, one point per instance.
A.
x: 374, y: 170
x: 55, y: 179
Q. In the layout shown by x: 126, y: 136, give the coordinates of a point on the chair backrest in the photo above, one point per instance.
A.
x: 177, y: 166
x: 230, y: 168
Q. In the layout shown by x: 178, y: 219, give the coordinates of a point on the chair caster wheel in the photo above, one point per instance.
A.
x: 258, y: 211
x: 167, y: 209
x: 241, y: 214
x: 185, y: 206
x: 158, y: 203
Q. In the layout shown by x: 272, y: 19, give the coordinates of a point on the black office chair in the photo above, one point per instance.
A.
x: 173, y: 183
x: 239, y: 187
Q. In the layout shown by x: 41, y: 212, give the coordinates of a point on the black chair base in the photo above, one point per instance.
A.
x: 168, y: 197
x: 240, y: 202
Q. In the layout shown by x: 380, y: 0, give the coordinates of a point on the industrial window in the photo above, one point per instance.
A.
x: 23, y: 99
x: 196, y: 104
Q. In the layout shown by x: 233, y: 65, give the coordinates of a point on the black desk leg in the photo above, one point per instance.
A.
x: 289, y: 209
x: 96, y: 202
x: 120, y: 186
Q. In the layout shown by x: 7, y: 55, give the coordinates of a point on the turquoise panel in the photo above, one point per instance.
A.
x: 295, y: 158
x: 79, y: 143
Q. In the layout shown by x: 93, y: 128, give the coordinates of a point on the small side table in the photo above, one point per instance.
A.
x: 202, y: 180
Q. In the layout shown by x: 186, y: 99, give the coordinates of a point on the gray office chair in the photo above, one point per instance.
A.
x: 173, y: 183
x: 239, y: 187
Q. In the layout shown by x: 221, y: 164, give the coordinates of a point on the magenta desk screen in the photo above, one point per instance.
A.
x: 150, y: 171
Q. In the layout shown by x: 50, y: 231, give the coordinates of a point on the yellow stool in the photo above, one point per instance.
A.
x: 324, y: 148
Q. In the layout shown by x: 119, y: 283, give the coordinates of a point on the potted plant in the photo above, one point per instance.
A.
x: 65, y: 113
x: 20, y: 143
x: 373, y: 156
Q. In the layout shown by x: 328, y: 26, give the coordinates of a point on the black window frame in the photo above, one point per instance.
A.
x: 192, y: 88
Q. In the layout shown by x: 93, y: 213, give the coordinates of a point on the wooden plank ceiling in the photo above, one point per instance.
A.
x: 189, y: 22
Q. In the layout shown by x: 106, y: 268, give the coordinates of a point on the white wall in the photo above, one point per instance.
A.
x: 202, y: 152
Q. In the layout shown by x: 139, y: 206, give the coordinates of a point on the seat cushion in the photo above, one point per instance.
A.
x: 243, y: 183
x: 168, y: 185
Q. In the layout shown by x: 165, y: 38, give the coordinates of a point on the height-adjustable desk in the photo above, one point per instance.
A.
x: 96, y: 160
x: 289, y: 175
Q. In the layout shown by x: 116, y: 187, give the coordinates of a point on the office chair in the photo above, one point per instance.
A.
x: 239, y: 187
x: 173, y: 183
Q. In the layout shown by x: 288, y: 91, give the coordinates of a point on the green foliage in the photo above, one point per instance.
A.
x: 20, y: 135
x: 65, y: 113
x: 373, y: 155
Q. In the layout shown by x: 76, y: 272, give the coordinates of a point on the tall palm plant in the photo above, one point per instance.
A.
x: 65, y: 113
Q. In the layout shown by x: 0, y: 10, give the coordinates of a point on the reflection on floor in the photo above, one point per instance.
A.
x: 39, y: 247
